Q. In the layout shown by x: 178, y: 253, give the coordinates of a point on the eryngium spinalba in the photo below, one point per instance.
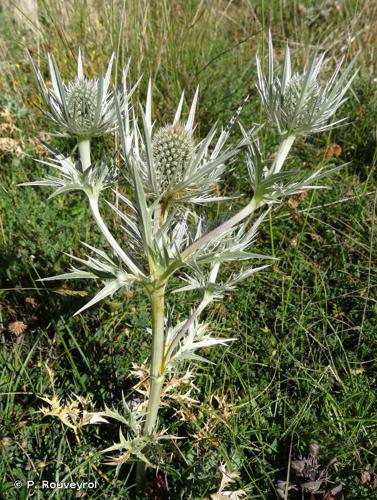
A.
x: 82, y: 108
x: 298, y: 104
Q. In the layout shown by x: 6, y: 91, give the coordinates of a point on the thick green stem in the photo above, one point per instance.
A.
x: 157, y: 373
x: 157, y: 368
x: 84, y: 150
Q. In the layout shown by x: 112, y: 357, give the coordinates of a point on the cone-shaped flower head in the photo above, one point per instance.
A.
x: 298, y: 104
x: 173, y: 150
x: 82, y: 102
x: 83, y: 108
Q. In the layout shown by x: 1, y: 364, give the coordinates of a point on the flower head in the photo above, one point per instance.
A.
x: 82, y: 102
x: 83, y: 108
x: 173, y: 150
x: 298, y: 104
x: 174, y: 167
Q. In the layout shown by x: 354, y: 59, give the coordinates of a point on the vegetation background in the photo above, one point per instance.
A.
x: 303, y: 368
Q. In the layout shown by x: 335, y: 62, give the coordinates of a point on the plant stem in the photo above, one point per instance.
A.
x: 282, y: 154
x: 157, y: 368
x: 157, y: 373
x: 84, y: 150
x: 93, y: 201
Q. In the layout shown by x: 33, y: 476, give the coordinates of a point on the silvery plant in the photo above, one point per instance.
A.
x: 166, y: 244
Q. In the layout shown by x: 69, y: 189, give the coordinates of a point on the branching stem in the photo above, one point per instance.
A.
x: 281, y: 156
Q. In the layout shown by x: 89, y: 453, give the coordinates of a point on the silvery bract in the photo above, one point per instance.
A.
x: 112, y: 274
x: 298, y: 103
x: 71, y: 176
x: 83, y: 107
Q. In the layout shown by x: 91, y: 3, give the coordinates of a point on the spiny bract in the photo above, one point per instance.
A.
x: 173, y: 149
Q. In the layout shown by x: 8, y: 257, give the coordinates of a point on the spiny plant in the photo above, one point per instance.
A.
x: 170, y: 174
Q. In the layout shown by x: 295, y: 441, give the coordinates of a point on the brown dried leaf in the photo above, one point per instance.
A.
x: 32, y: 302
x: 6, y: 441
x: 332, y: 151
x: 17, y: 328
x: 224, y: 409
x: 293, y: 203
x: 357, y: 371
x: 365, y: 477
x: 10, y: 147
x: 73, y: 413
x: 368, y: 476
x: 227, y: 477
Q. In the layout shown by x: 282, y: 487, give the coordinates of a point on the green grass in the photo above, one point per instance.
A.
x: 303, y: 366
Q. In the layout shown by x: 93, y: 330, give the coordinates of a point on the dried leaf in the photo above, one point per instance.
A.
x: 228, y: 477
x: 332, y: 151
x: 17, y: 328
x: 357, y: 371
x: 73, y: 413
x: 7, y: 125
x: 313, y: 236
x: 368, y: 476
x: 293, y: 203
x: 10, y: 147
x: 32, y: 302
